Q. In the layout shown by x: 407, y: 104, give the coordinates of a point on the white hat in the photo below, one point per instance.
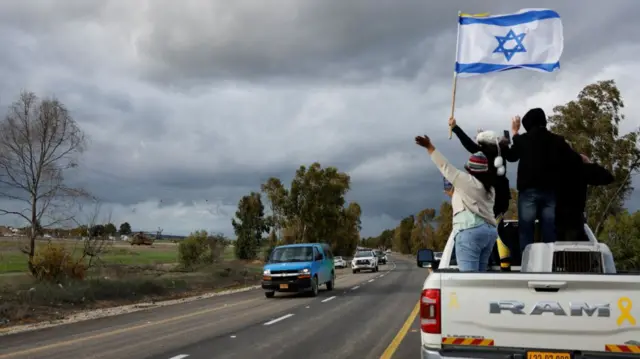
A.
x: 488, y: 138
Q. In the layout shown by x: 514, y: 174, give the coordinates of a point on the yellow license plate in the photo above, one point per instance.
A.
x: 548, y: 355
x: 284, y: 286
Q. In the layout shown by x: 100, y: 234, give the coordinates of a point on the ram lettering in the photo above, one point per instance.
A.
x: 576, y: 309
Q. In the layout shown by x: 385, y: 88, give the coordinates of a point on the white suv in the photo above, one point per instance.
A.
x: 364, y: 260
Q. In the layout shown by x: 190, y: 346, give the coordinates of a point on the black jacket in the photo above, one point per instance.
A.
x: 571, y: 197
x: 503, y: 193
x: 545, y: 159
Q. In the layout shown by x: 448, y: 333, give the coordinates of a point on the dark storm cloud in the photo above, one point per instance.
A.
x: 204, y: 100
x: 332, y: 40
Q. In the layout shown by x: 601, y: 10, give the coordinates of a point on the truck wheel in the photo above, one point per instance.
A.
x: 269, y: 294
x: 314, y: 286
x: 330, y: 283
x: 354, y: 271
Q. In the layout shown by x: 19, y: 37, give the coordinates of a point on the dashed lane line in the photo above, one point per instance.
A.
x: 181, y: 356
x: 328, y: 299
x: 279, y: 319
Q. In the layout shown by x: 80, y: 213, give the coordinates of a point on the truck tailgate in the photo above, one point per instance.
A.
x: 583, y: 312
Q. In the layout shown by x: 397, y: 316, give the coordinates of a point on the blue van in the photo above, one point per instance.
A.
x: 298, y: 268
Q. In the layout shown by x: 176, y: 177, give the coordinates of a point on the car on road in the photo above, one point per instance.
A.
x: 437, y: 256
x: 560, y: 300
x: 339, y: 262
x: 299, y: 268
x: 364, y: 260
x: 382, y: 257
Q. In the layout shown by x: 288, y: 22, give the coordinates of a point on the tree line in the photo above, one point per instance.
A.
x: 312, y: 209
x: 95, y: 230
x: 591, y: 124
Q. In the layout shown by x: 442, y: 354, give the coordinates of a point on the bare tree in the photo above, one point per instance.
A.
x: 94, y: 244
x: 39, y: 141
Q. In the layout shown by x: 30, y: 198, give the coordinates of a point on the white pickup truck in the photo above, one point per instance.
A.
x: 561, y: 300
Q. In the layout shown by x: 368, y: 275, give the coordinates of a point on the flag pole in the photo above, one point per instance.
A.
x: 455, y: 77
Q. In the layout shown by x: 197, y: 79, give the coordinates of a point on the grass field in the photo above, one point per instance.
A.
x: 12, y: 260
x: 125, y: 274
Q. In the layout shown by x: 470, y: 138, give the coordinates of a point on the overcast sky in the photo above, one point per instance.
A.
x: 191, y: 104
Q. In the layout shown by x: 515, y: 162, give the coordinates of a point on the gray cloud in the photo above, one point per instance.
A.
x: 189, y: 105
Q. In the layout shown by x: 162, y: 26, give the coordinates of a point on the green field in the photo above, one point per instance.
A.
x: 12, y: 260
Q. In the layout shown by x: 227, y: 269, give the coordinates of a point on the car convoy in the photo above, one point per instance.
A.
x: 561, y: 300
x: 305, y: 267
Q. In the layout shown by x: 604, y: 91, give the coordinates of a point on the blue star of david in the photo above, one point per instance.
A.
x: 502, y: 40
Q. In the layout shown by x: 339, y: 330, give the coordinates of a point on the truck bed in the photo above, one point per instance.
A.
x: 545, y: 311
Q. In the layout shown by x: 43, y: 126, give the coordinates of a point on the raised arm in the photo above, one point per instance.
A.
x: 512, y: 154
x: 466, y: 142
x: 458, y: 178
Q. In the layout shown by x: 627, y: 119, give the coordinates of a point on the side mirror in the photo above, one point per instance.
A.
x: 425, y: 258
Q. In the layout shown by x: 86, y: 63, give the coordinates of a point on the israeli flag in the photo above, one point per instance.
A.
x: 529, y: 39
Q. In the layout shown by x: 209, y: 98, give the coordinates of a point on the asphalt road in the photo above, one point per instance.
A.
x: 367, y: 315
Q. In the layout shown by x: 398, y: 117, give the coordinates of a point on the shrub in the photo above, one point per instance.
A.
x: 54, y: 262
x: 193, y: 249
x: 217, y: 243
x: 199, y: 247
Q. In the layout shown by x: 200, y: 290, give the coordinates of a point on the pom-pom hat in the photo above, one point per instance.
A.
x: 490, y: 137
x: 477, y: 163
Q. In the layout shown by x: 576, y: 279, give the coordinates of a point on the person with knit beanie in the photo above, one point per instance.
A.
x: 493, y: 147
x: 544, y: 159
x: 472, y: 202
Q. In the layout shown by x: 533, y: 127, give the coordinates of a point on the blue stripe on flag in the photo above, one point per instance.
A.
x: 482, y: 68
x: 511, y: 20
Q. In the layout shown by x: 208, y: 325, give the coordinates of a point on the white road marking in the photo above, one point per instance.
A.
x: 356, y: 287
x: 233, y: 336
x: 181, y: 356
x: 371, y: 280
x: 328, y: 299
x: 279, y: 319
x: 307, y: 307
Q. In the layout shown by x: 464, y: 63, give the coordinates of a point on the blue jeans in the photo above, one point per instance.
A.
x: 536, y: 204
x: 473, y: 247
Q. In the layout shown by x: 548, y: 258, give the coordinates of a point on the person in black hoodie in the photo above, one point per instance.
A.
x: 545, y: 160
x: 571, y: 199
x: 488, y: 143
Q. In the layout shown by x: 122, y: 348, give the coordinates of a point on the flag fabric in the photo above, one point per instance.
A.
x: 529, y: 39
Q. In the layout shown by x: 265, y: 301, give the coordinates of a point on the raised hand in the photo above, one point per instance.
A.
x: 515, y: 125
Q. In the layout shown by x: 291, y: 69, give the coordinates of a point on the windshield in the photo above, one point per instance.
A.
x: 363, y: 254
x: 291, y: 254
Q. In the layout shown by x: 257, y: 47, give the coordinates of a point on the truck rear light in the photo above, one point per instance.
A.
x: 430, y: 311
